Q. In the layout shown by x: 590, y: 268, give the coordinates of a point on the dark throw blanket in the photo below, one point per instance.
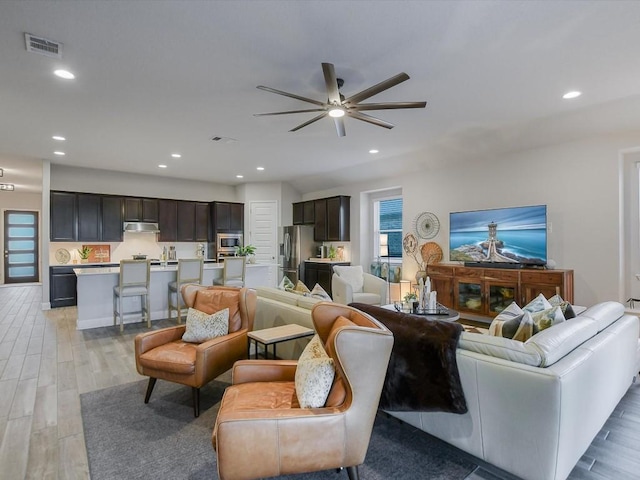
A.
x: 423, y: 373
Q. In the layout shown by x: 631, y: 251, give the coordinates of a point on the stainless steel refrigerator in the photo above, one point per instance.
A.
x: 298, y: 246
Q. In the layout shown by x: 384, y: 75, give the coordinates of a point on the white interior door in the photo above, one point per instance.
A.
x: 263, y: 234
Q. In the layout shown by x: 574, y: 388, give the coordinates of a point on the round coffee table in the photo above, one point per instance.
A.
x: 448, y: 314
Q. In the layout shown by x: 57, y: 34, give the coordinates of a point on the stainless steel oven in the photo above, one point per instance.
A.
x: 226, y: 243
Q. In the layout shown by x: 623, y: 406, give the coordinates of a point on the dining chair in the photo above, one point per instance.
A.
x: 189, y: 271
x: 133, y: 282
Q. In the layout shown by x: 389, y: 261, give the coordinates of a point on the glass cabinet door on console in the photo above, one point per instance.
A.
x: 467, y: 295
x: 500, y: 296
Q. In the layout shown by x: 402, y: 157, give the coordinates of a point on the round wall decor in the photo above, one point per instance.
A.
x: 410, y: 243
x: 63, y: 256
x: 426, y: 225
x: 431, y: 253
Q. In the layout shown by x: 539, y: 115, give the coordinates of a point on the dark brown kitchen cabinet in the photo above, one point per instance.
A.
x: 186, y: 221
x: 202, y: 222
x: 304, y: 213
x: 338, y: 218
x: 89, y: 217
x: 228, y: 217
x: 62, y: 287
x: 167, y: 220
x: 111, y: 219
x: 320, y: 273
x: 320, y: 223
x: 63, y: 217
x: 140, y: 209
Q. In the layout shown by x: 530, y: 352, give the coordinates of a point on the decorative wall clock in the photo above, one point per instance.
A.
x: 63, y: 256
x: 426, y: 225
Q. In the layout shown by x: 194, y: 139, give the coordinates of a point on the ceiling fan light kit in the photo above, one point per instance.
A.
x: 337, y: 106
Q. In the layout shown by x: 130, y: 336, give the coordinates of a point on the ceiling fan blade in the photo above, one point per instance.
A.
x: 331, y: 82
x: 380, y: 87
x: 290, y: 111
x: 340, y: 126
x: 369, y: 119
x: 309, y: 122
x: 387, y: 106
x: 291, y: 95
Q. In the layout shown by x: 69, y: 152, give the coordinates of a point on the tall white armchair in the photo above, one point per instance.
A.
x: 351, y: 284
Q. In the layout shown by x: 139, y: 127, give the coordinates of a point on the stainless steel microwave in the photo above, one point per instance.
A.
x: 227, y: 242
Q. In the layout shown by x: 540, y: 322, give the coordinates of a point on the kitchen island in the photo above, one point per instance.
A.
x: 95, y: 291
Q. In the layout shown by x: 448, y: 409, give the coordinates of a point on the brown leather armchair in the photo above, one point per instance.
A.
x: 260, y: 413
x: 162, y: 353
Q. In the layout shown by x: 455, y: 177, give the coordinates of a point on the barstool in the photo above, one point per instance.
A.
x: 189, y: 271
x: 134, y: 282
x: 233, y: 272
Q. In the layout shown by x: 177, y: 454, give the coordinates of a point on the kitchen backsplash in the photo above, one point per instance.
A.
x: 133, y: 244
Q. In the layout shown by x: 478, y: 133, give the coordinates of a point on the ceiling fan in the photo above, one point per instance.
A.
x: 337, y: 106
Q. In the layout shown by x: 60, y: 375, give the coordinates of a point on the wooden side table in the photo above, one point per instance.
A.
x: 273, y: 336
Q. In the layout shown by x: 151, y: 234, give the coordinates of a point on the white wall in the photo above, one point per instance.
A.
x: 75, y: 179
x: 578, y: 181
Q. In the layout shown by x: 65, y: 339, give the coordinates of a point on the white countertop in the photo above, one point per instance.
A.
x: 326, y: 260
x: 154, y: 268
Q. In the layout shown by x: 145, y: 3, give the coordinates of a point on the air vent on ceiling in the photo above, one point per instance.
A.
x: 40, y: 45
x: 223, y: 139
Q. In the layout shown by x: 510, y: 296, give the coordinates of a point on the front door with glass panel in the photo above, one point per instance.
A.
x: 20, y: 246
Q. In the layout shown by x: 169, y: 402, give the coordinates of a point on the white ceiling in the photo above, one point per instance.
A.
x: 156, y: 77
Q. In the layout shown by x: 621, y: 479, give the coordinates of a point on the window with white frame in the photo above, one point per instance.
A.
x: 387, y: 228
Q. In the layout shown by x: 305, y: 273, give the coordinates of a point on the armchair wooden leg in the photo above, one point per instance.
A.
x: 353, y: 472
x: 150, y: 385
x: 196, y: 401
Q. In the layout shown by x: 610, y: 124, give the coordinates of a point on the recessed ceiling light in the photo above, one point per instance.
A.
x: 162, y: 166
x: 572, y: 94
x: 59, y: 138
x: 373, y: 150
x: 66, y: 74
x: 336, y: 112
x: 260, y: 169
x: 59, y: 153
x: 176, y: 155
x: 239, y: 176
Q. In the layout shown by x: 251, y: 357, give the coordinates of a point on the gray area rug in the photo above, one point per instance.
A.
x: 127, y: 439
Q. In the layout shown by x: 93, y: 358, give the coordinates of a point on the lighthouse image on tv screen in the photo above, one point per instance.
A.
x: 501, y: 235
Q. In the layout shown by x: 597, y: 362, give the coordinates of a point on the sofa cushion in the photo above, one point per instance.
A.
x: 319, y: 292
x: 300, y: 288
x: 278, y: 295
x: 556, y: 342
x: 308, y: 302
x: 500, y: 347
x: 604, y: 314
x: 314, y: 375
x: 566, y: 307
x: 352, y: 274
x: 201, y: 327
x: 537, y: 304
x: 286, y: 284
x: 547, y: 318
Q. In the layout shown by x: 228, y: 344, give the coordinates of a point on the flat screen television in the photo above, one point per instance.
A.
x: 504, y: 236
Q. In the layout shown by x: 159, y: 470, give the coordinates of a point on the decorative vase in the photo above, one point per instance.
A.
x: 251, y: 258
x: 84, y: 260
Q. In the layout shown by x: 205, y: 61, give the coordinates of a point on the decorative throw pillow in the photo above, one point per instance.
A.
x: 567, y: 309
x: 286, y: 284
x: 547, y: 318
x: 352, y: 275
x: 300, y: 288
x: 201, y: 327
x: 537, y: 304
x: 516, y: 326
x: 314, y: 375
x: 319, y: 292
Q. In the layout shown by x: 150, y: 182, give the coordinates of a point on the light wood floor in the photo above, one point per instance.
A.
x: 45, y: 364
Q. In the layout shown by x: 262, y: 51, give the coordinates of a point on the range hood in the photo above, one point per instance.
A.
x: 141, y: 227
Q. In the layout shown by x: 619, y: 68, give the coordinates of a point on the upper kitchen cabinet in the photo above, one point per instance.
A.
x: 64, y: 217
x: 202, y: 222
x: 168, y: 220
x: 228, y: 217
x: 332, y: 219
x: 304, y: 213
x: 338, y: 218
x: 140, y: 209
x: 89, y: 217
x: 111, y: 219
x: 186, y: 221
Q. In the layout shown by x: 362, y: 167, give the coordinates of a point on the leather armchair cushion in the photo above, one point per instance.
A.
x: 213, y: 300
x: 175, y: 357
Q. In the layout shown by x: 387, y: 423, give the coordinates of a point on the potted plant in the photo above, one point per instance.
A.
x: 247, y: 251
x: 84, y: 253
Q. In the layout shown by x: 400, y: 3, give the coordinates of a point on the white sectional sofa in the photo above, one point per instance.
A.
x: 275, y: 307
x: 535, y: 407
